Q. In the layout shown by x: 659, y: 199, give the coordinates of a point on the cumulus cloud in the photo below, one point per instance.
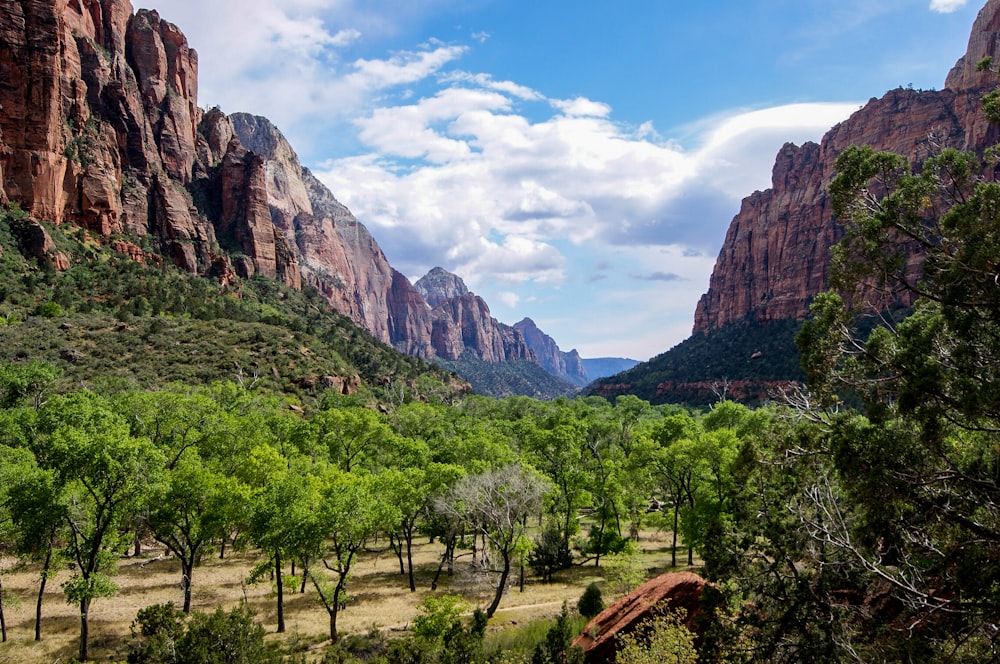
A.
x: 478, y: 182
x: 947, y: 6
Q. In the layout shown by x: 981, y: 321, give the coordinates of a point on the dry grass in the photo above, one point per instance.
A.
x: 380, y: 599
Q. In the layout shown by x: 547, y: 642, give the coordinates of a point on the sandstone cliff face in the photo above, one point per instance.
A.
x: 777, y: 249
x: 568, y: 366
x: 101, y: 128
x: 437, y: 317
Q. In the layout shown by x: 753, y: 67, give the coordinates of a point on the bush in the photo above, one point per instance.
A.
x: 591, y: 603
x: 159, y: 637
x: 49, y: 310
x: 551, y: 554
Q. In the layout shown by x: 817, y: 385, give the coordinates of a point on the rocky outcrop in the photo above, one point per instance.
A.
x: 465, y: 324
x: 777, y: 249
x: 101, y: 128
x: 676, y: 590
x: 568, y: 366
x: 439, y: 285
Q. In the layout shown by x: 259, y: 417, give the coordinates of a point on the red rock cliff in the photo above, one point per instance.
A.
x: 100, y: 127
x: 776, y: 252
x: 338, y: 256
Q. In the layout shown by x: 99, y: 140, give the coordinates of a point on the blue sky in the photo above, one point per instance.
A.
x: 574, y: 161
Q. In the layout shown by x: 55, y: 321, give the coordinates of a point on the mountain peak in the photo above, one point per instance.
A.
x: 439, y: 286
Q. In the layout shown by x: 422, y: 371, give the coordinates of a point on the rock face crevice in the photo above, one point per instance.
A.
x: 777, y: 250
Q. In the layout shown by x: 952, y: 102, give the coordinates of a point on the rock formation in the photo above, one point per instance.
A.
x: 100, y: 127
x: 437, y: 317
x: 568, y: 366
x: 676, y: 590
x: 777, y: 249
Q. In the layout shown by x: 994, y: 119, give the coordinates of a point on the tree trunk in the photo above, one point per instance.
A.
x: 187, y: 567
x: 281, y: 592
x: 500, y: 588
x: 84, y: 629
x: 3, y: 620
x: 41, y: 592
x: 673, y: 548
x: 397, y: 548
x: 409, y: 560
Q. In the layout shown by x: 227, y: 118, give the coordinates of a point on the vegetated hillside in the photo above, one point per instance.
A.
x: 505, y: 379
x: 747, y: 361
x: 109, y: 318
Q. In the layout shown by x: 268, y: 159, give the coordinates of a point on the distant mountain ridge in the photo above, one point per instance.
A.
x: 777, y: 250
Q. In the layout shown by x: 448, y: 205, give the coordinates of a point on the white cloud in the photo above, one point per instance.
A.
x: 510, y: 299
x: 582, y: 107
x: 947, y: 6
x: 481, y: 188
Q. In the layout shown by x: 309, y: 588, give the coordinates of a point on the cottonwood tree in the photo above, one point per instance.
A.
x: 105, y: 473
x: 351, y: 509
x: 495, y: 504
x: 187, y: 510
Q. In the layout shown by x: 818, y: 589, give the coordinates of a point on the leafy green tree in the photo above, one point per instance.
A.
x: 282, y: 521
x: 36, y: 511
x: 351, y: 435
x: 186, y: 512
x: 31, y: 382
x: 105, y: 473
x: 675, y: 466
x: 350, y: 511
x: 556, y: 452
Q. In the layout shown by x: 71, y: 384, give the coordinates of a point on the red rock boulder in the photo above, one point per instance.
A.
x: 676, y: 590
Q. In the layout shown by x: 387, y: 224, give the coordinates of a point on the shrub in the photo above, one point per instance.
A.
x: 551, y: 554
x: 49, y: 310
x: 591, y: 603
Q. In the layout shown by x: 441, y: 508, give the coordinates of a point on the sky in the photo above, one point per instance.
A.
x: 575, y: 161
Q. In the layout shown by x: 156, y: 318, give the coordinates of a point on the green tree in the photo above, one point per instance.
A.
x: 558, y: 645
x: 105, y: 473
x: 350, y: 511
x: 910, y: 498
x: 591, y: 603
x: 186, y: 512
